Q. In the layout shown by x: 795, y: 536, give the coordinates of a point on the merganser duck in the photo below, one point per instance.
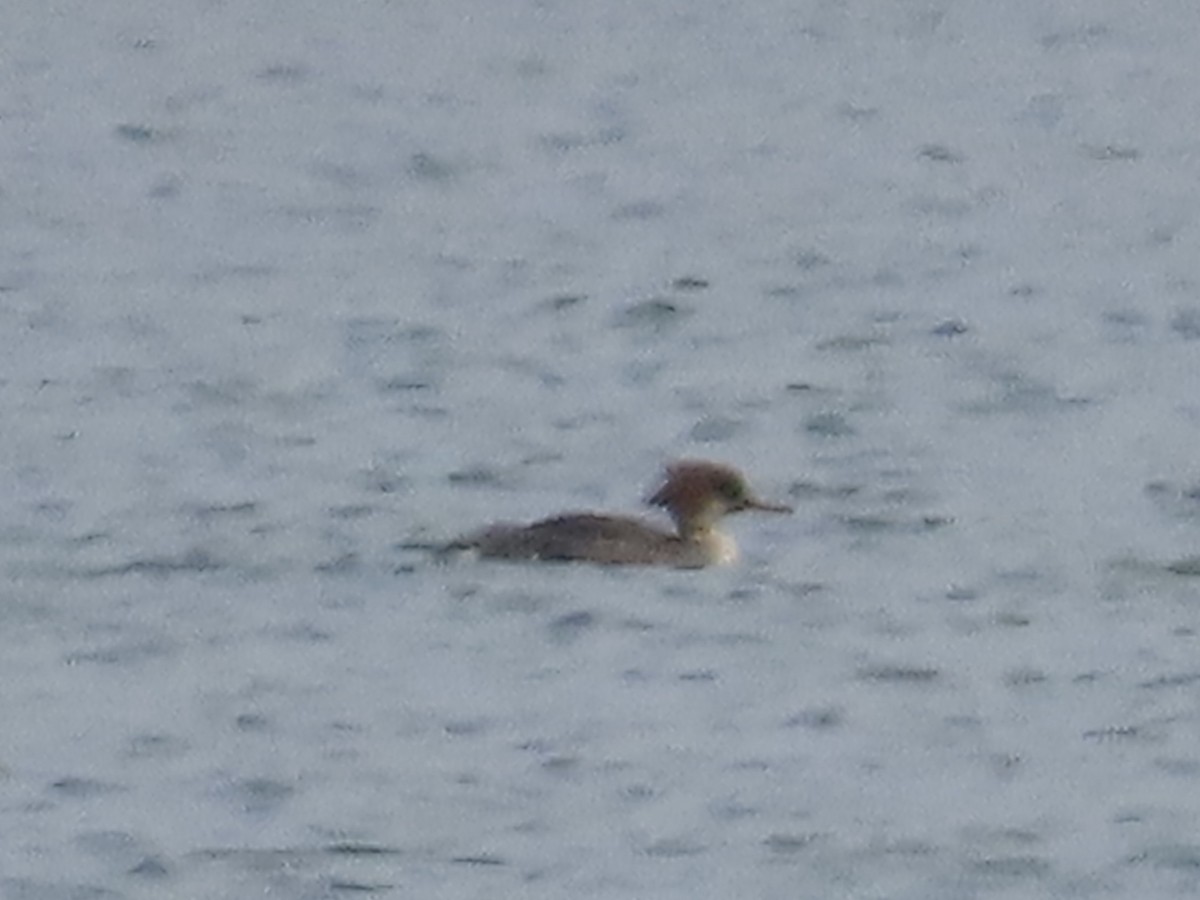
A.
x: 696, y: 495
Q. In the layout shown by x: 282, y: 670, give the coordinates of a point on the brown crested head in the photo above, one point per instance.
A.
x: 700, y: 491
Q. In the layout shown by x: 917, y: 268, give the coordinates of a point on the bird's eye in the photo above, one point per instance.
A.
x: 733, y: 490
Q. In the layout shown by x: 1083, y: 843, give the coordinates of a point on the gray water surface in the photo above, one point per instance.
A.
x: 288, y: 293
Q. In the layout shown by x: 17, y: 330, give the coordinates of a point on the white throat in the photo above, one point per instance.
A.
x: 719, y: 549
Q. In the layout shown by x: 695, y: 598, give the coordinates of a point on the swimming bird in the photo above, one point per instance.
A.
x: 696, y: 494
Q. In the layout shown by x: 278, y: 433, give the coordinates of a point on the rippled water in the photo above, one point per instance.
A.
x: 288, y: 295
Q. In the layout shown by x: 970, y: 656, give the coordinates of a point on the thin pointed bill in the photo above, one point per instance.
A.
x: 755, y: 503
